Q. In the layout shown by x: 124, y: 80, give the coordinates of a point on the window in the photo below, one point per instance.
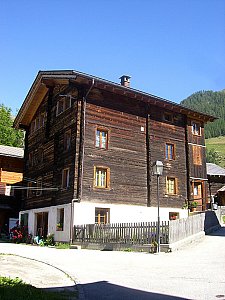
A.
x: 171, y: 185
x: 170, y: 151
x: 101, y: 139
x: 29, y: 190
x: 101, y: 177
x: 65, y: 178
x: 60, y: 219
x: 102, y: 215
x: 59, y: 109
x: 197, y: 155
x: 24, y: 219
x: 173, y: 215
x: 196, y: 128
x: 168, y: 117
x: 38, y: 122
x: 62, y: 105
x: 197, y: 189
x: 67, y: 140
x: 39, y: 187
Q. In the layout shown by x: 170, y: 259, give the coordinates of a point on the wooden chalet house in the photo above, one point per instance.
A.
x: 11, y: 173
x: 89, y: 149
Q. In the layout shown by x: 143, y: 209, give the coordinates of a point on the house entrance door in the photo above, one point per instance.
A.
x: 198, y: 194
x: 42, y: 224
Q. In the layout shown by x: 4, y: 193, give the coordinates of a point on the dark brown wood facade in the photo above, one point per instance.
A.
x: 139, y: 130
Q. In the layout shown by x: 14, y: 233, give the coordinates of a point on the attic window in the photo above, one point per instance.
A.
x: 196, y: 128
x: 62, y: 105
x: 38, y: 122
x: 168, y: 117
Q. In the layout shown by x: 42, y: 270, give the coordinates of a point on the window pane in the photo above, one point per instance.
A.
x: 101, y: 177
x: 65, y: 178
x: 67, y: 140
x: 60, y: 107
x: 67, y: 103
x: 101, y: 139
x: 104, y: 139
x: 167, y: 151
x: 102, y: 215
x: 171, y: 185
x: 97, y: 139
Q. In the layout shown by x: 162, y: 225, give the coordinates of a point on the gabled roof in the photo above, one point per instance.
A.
x: 11, y: 151
x: 44, y: 79
x: 214, y: 170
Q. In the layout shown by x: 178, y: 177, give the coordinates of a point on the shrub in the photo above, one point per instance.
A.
x: 19, y: 234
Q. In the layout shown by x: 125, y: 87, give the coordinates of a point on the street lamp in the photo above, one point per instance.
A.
x: 158, y: 170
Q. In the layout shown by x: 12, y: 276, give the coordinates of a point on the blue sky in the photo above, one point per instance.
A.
x: 170, y: 48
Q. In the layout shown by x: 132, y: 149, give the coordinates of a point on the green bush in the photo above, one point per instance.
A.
x: 19, y: 290
x: 59, y: 245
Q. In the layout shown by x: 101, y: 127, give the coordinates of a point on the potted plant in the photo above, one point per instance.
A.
x: 193, y: 205
x: 153, y: 247
x: 59, y: 226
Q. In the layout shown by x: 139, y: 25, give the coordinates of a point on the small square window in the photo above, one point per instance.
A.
x: 171, y: 185
x: 65, y: 178
x: 62, y: 105
x: 196, y: 128
x: 101, y: 177
x: 101, y: 139
x: 170, y: 151
x: 173, y: 215
x: 168, y: 117
x: 102, y: 215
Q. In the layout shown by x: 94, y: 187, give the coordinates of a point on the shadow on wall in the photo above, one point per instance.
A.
x: 104, y: 290
x: 211, y: 222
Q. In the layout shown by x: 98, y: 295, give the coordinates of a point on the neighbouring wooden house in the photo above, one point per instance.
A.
x: 11, y: 172
x: 89, y: 149
x: 216, y: 183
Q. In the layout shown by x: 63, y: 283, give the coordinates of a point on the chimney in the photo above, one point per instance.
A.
x: 125, y: 80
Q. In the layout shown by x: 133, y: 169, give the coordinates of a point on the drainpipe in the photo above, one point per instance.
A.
x: 71, y: 219
x: 81, y: 159
x: 82, y: 139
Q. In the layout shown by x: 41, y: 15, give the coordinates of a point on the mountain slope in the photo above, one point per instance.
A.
x: 212, y: 103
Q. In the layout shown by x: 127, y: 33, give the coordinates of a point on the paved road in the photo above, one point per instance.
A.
x: 196, y: 272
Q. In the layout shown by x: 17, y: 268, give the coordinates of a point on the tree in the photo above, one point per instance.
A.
x: 212, y: 156
x: 8, y: 135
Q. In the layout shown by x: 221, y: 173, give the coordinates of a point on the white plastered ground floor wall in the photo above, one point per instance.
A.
x: 84, y: 213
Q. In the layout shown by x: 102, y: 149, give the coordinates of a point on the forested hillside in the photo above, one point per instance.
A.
x: 212, y: 103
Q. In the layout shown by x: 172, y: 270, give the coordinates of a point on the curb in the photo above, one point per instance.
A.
x: 77, y: 286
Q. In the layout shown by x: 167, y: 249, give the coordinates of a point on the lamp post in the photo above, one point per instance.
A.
x: 157, y: 170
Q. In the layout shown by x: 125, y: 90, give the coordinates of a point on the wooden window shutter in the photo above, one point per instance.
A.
x: 197, y: 155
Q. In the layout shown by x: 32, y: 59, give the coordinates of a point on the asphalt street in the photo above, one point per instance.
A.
x: 195, y: 272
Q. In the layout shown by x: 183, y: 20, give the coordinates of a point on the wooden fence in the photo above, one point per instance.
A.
x: 123, y: 233
x: 183, y: 228
x: 200, y: 222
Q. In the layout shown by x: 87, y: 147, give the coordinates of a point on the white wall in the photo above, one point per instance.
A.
x: 84, y: 213
x: 63, y: 236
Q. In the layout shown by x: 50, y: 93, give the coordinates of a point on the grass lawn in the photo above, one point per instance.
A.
x: 17, y: 289
x: 218, y: 144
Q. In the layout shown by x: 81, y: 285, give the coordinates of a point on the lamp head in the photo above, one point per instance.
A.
x: 158, y: 168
